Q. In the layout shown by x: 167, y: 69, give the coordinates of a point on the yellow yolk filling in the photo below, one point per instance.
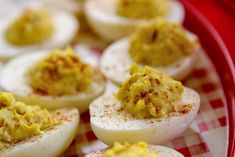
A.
x: 19, y: 121
x: 150, y: 93
x: 142, y: 9
x: 128, y: 150
x: 60, y: 73
x: 32, y: 27
x: 159, y: 43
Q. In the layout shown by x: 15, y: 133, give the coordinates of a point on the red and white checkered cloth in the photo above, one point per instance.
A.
x: 211, y: 115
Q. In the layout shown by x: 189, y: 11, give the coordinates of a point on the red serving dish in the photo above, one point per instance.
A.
x: 219, y: 55
x: 214, y: 47
x: 216, y: 112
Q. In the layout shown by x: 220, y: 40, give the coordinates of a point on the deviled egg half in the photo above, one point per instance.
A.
x: 35, y: 28
x: 163, y: 45
x: 53, y: 79
x: 141, y: 149
x: 114, y: 19
x: 149, y: 106
x: 33, y: 131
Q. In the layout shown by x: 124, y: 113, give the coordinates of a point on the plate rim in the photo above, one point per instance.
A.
x: 226, y: 75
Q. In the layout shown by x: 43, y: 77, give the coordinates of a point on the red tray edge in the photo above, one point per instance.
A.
x: 228, y: 4
x: 222, y: 61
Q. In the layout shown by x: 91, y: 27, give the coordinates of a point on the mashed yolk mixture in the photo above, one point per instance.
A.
x: 19, y: 121
x: 60, y: 73
x: 128, y: 150
x: 159, y: 43
x: 32, y: 27
x: 142, y: 9
x: 149, y: 93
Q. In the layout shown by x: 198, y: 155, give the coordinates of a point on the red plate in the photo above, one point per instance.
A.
x: 211, y: 116
x: 220, y: 57
x: 191, y: 144
x: 217, y: 94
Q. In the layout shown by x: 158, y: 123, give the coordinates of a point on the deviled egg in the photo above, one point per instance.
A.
x: 149, y: 106
x: 140, y: 149
x: 35, y: 28
x: 114, y: 19
x: 33, y: 131
x: 163, y: 45
x: 53, y: 79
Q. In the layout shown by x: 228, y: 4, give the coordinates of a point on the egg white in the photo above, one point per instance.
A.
x: 52, y: 143
x: 102, y: 16
x: 65, y: 27
x: 13, y: 80
x: 160, y: 150
x: 116, y: 61
x: 110, y: 124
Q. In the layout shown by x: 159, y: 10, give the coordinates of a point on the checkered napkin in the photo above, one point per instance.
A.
x: 211, y: 115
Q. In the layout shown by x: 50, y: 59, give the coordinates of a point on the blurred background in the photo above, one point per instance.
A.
x: 220, y: 13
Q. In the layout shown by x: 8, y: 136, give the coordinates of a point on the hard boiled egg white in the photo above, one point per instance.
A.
x: 13, y: 79
x: 160, y: 150
x: 52, y: 143
x: 65, y: 28
x: 116, y: 61
x: 112, y: 124
x: 102, y: 16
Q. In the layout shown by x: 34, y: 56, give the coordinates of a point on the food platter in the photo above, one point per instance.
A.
x: 212, y: 132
